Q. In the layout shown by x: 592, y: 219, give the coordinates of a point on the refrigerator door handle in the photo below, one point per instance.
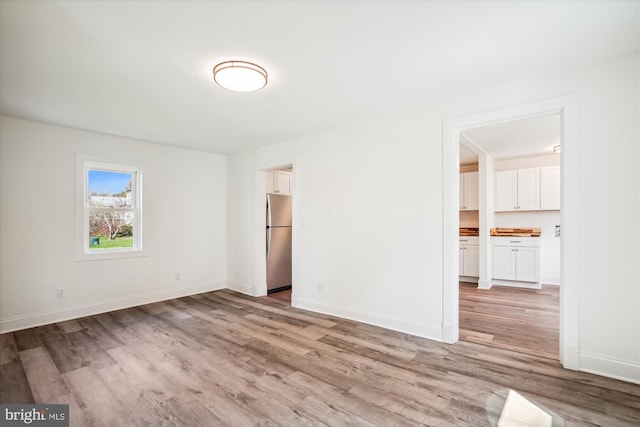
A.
x: 268, y: 225
x: 268, y: 211
x: 268, y: 241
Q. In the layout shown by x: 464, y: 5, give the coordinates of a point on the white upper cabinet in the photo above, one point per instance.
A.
x: 283, y: 182
x: 550, y: 188
x: 279, y: 182
x: 469, y: 200
x: 507, y: 191
x: 518, y: 190
x: 529, y: 189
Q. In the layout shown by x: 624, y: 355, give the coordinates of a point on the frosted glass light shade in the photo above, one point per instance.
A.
x: 240, y: 76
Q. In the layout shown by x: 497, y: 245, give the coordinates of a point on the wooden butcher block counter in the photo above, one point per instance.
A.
x: 466, y: 231
x: 516, y: 232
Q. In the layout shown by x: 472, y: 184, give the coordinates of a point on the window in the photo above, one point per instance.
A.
x: 112, y: 208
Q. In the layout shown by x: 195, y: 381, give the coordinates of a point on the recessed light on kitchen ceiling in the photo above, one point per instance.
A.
x: 240, y: 76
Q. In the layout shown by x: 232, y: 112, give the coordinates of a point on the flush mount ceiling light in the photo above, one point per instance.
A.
x: 240, y: 76
x: 556, y: 148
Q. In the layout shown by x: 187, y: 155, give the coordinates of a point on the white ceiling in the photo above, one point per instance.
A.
x: 534, y: 136
x: 142, y: 69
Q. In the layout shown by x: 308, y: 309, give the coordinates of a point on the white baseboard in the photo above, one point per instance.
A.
x: 241, y: 287
x: 485, y: 284
x: 517, y: 284
x: 52, y: 316
x: 608, y: 367
x: 550, y: 280
x: 450, y: 333
x: 468, y: 279
x: 424, y: 330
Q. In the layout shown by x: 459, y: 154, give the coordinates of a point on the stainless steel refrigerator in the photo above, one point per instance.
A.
x: 278, y: 236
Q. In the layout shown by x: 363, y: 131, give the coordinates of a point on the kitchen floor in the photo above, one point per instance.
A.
x: 284, y: 295
x: 516, y: 319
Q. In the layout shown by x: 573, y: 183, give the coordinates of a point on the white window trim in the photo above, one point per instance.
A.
x: 83, y: 253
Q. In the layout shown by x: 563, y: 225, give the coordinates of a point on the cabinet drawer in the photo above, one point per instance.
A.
x: 469, y: 240
x: 531, y: 242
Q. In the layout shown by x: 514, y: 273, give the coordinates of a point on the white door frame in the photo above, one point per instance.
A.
x: 567, y: 107
x: 259, y: 285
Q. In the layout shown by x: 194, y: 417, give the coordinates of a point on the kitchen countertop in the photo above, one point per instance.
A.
x: 467, y: 231
x: 507, y: 232
x: 517, y: 232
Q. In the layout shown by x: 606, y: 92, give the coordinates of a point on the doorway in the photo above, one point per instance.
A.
x: 520, y: 312
x: 274, y: 233
x: 566, y: 107
x: 279, y: 230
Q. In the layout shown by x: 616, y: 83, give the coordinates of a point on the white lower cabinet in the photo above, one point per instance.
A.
x: 516, y: 259
x: 469, y: 258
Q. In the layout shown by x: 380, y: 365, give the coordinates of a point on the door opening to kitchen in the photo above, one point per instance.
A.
x: 278, y: 236
x: 516, y: 305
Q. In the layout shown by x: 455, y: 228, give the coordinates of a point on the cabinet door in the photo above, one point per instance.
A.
x: 471, y: 261
x: 461, y: 261
x: 270, y: 181
x: 504, y: 263
x: 527, y: 264
x: 528, y: 189
x: 506, y: 190
x: 469, y: 191
x: 550, y: 188
x: 283, y: 182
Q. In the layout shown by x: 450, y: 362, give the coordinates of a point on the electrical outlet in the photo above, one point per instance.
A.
x: 60, y: 293
x: 177, y: 276
x: 557, y: 231
x: 320, y: 286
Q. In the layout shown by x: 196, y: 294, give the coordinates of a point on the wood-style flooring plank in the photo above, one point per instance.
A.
x: 8, y: 349
x: 101, y: 406
x: 101, y: 335
x: 73, y: 350
x: 44, y: 377
x: 14, y: 386
x: 285, y: 312
x: 31, y: 338
x: 222, y: 358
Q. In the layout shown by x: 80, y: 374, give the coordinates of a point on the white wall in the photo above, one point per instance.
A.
x: 370, y: 212
x: 365, y: 229
x: 469, y: 219
x: 184, y: 213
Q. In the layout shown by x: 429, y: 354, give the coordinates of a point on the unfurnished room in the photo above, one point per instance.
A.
x: 327, y: 213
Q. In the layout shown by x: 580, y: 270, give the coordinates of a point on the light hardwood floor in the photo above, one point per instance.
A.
x: 522, y: 320
x: 221, y: 358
